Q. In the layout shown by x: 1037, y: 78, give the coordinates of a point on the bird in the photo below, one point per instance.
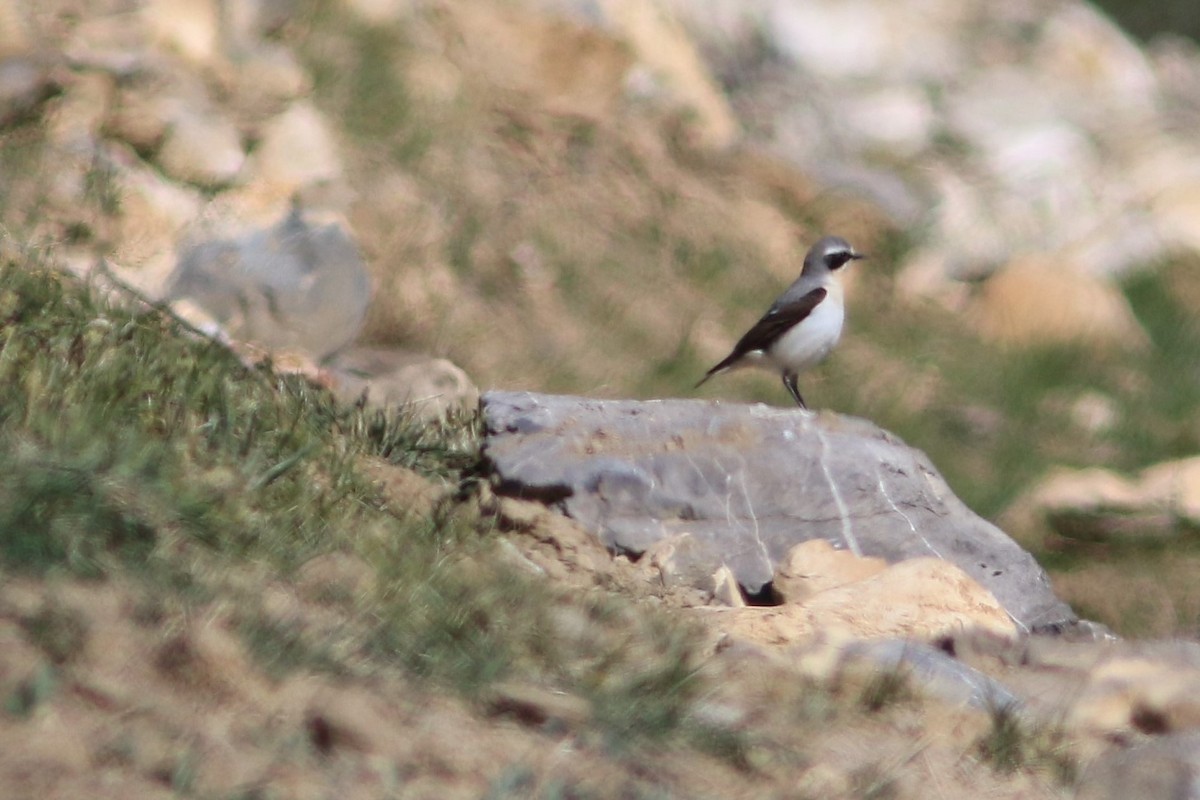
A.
x: 803, y: 325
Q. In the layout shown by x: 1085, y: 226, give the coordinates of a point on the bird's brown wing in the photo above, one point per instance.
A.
x: 767, y: 330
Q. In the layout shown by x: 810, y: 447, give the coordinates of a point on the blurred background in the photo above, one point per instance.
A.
x: 598, y: 197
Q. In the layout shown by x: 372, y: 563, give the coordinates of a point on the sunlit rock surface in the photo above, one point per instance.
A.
x: 741, y: 485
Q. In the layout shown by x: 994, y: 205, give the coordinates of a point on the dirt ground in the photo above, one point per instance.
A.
x: 113, y: 689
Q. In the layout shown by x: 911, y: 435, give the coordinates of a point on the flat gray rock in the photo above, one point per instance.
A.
x: 748, y: 482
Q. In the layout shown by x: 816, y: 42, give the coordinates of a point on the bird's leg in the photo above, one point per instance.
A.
x: 789, y: 380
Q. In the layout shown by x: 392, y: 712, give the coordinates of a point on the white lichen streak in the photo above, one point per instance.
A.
x: 887, y: 496
x: 754, y: 518
x: 843, y: 512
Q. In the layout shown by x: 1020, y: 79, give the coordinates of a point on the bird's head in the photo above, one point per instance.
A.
x: 830, y: 253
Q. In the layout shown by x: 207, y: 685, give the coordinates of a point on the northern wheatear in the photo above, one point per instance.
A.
x: 803, y: 325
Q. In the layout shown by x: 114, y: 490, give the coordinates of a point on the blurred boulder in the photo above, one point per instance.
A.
x: 1154, y: 692
x: 204, y: 149
x: 297, y: 149
x: 143, y: 110
x: 429, y: 388
x: 152, y: 214
x: 1044, y: 300
x: 265, y: 78
x: 76, y: 118
x: 294, y: 285
x: 191, y: 28
x: 1163, y: 501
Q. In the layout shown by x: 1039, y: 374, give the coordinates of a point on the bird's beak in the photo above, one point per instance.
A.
x: 858, y: 256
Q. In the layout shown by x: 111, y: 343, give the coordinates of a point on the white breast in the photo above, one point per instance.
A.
x: 809, y: 342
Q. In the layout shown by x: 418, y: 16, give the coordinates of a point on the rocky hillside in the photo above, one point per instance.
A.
x: 407, y: 202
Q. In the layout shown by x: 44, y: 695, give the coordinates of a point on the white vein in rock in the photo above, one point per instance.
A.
x: 754, y: 518
x: 887, y: 496
x: 843, y: 512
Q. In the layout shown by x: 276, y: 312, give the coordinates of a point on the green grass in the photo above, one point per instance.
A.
x: 358, y: 78
x: 885, y: 689
x: 134, y: 449
x: 281, y: 648
x: 59, y: 632
x: 119, y: 433
x: 35, y: 690
x: 1013, y: 743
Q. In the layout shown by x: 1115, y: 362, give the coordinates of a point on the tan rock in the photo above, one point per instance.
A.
x: 147, y: 105
x: 816, y: 566
x: 922, y: 598
x: 153, y: 213
x: 1087, y: 490
x: 1177, y: 484
x: 204, y: 149
x: 297, y: 149
x: 114, y: 43
x: 78, y: 115
x: 426, y: 387
x: 1100, y: 504
x: 725, y: 589
x: 1094, y: 412
x: 1137, y: 694
x: 1044, y: 300
x: 559, y: 540
x: 266, y: 77
x: 898, y: 117
x: 189, y: 27
x: 1176, y: 211
x: 380, y: 12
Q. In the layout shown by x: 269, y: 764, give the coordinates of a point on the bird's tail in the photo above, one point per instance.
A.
x: 726, y: 363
